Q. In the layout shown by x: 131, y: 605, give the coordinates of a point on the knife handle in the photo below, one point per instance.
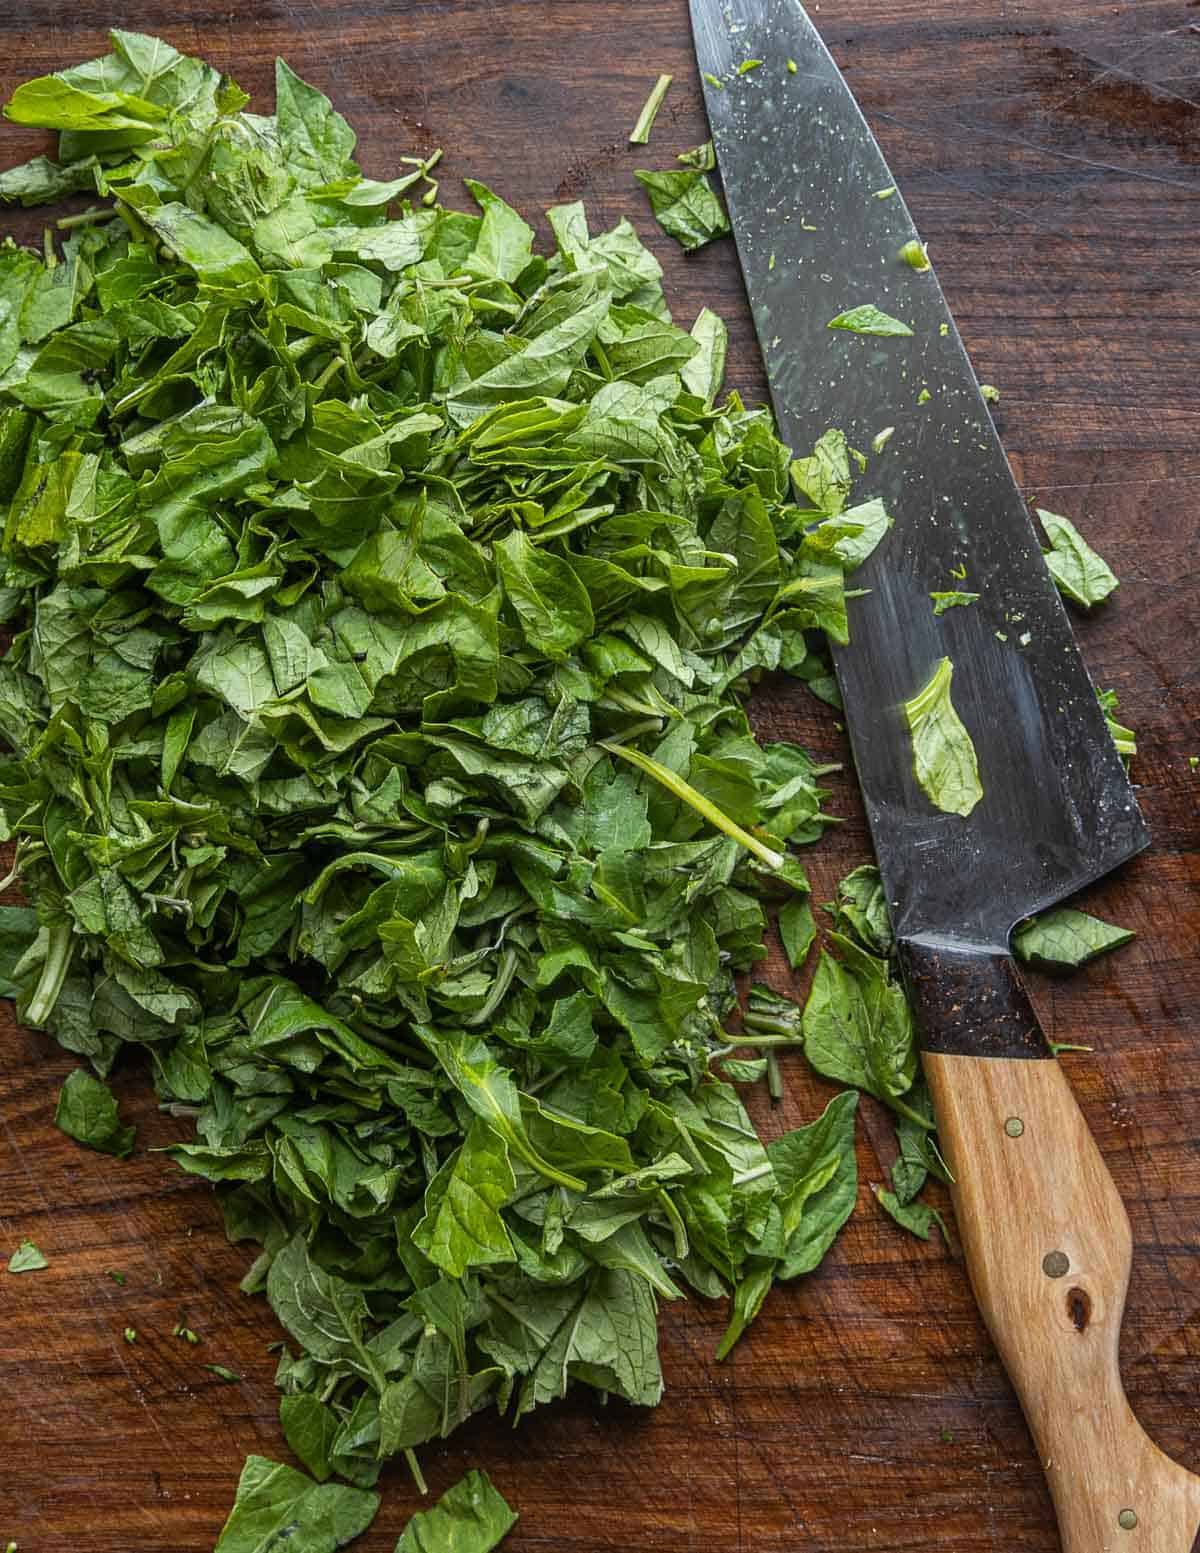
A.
x: 1049, y: 1248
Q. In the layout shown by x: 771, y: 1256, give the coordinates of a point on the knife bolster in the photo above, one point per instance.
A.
x: 969, y: 1002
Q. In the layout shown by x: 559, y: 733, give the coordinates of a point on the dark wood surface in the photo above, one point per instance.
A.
x: 1050, y: 151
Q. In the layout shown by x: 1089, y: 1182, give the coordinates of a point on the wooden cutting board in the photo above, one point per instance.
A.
x: 1050, y: 150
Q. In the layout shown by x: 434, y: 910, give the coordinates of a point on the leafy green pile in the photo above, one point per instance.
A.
x: 382, y: 597
x: 276, y: 1504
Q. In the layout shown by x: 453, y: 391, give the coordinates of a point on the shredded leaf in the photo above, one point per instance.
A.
x: 27, y: 1259
x: 1079, y: 573
x: 868, y: 319
x: 685, y: 206
x: 470, y: 1517
x: 943, y: 754
x: 951, y: 598
x: 1066, y: 937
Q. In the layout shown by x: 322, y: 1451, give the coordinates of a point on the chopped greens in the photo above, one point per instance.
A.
x: 867, y: 319
x: 915, y: 255
x: 640, y: 134
x: 470, y: 1517
x: 384, y: 597
x: 951, y: 598
x: 685, y: 206
x: 989, y: 393
x: 1079, y: 573
x: 943, y: 754
x: 1066, y: 937
x: 87, y: 1112
x: 27, y: 1259
x: 747, y: 65
x: 277, y: 1505
x: 1124, y: 738
x: 702, y: 157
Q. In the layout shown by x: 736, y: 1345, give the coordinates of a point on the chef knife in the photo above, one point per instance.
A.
x: 819, y: 227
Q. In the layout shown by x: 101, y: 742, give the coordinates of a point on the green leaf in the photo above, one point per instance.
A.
x: 87, y: 1112
x: 550, y: 601
x: 41, y: 181
x: 504, y: 246
x: 490, y: 1092
x: 27, y: 1259
x: 943, y: 755
x: 470, y: 1517
x: 310, y: 1428
x: 705, y: 372
x: 315, y: 140
x: 51, y: 102
x: 319, y: 1309
x: 797, y: 930
x: 462, y: 1226
x: 1079, y: 573
x: 952, y: 598
x: 203, y: 245
x: 685, y: 206
x: 867, y: 319
x: 857, y: 1026
x: 1068, y: 937
x: 275, y: 1505
x: 817, y: 1175
x: 916, y: 1217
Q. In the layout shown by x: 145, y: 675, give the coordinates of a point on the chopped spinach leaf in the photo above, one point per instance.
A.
x: 943, y: 754
x: 952, y: 598
x: 87, y: 1112
x: 27, y: 1259
x: 685, y: 206
x: 470, y: 1517
x: 868, y: 319
x: 1066, y: 937
x: 1079, y: 573
x: 277, y: 1504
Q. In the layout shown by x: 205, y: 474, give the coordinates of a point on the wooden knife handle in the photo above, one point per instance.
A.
x: 1049, y: 1248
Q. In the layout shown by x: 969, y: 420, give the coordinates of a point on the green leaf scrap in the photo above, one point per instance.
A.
x: 943, y: 755
x: 1079, y: 573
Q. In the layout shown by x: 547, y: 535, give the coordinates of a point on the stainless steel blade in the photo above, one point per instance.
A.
x: 804, y: 181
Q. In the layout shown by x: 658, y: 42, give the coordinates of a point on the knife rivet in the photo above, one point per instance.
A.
x: 1055, y: 1264
x: 1014, y: 1126
x: 1127, y: 1520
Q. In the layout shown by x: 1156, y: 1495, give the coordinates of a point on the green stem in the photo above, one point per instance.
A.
x: 54, y: 972
x: 774, y: 1078
x: 913, y: 1116
x: 766, y: 1042
x: 674, y: 783
x: 137, y: 228
x: 500, y: 985
x: 764, y: 1024
x: 330, y: 369
x: 601, y: 356
x: 91, y: 217
x: 414, y: 1466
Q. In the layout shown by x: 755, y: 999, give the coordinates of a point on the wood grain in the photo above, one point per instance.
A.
x: 1050, y: 152
x: 1048, y: 1249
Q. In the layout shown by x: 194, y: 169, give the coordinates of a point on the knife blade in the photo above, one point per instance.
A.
x: 819, y: 227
